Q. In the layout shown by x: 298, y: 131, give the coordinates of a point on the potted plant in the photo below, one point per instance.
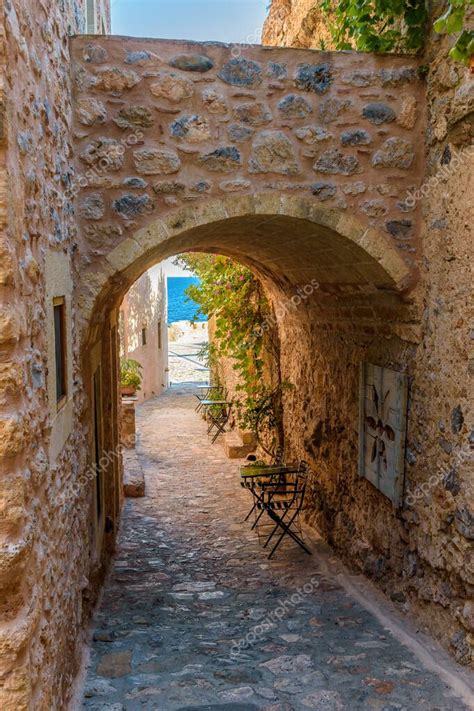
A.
x: 130, y: 376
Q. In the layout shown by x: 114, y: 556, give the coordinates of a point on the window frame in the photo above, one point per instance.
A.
x: 60, y: 347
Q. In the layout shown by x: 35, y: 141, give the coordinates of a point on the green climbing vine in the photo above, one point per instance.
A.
x: 396, y: 25
x: 229, y: 292
x: 454, y: 21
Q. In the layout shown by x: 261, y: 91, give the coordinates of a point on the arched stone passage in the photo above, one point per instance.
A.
x: 360, y: 311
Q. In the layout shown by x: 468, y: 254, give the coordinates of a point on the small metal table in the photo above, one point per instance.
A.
x: 207, y: 390
x: 217, y: 415
x: 278, y: 491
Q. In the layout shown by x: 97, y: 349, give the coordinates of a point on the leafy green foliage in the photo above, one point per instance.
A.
x: 453, y: 21
x: 230, y: 292
x: 130, y: 373
x: 377, y: 25
x: 395, y: 25
x: 235, y: 298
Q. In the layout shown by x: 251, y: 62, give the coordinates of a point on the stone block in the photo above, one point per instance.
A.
x: 133, y: 475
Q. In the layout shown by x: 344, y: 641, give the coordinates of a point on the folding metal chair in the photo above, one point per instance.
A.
x: 283, y: 501
x: 218, y: 414
x: 253, y: 477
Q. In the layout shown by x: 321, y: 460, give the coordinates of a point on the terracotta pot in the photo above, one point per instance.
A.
x: 127, y: 390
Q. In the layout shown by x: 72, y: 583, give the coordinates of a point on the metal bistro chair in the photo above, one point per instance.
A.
x: 280, y: 494
x: 253, y: 476
x: 218, y: 414
x: 207, y: 391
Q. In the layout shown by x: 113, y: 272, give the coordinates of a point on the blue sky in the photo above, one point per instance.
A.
x: 221, y: 20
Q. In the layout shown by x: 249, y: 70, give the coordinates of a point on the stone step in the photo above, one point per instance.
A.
x: 248, y: 437
x: 133, y: 476
x: 234, y: 447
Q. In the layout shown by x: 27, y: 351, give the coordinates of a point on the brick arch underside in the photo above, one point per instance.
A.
x: 287, y: 243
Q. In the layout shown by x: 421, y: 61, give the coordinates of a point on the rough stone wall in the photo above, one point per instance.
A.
x: 423, y: 555
x: 43, y: 569
x: 162, y: 124
x: 441, y: 445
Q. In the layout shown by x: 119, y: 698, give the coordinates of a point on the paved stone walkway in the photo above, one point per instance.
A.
x: 190, y: 581
x: 183, y: 362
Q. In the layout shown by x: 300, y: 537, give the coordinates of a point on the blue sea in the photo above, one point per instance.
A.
x: 180, y: 306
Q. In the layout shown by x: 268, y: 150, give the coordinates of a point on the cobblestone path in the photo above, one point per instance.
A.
x: 190, y: 580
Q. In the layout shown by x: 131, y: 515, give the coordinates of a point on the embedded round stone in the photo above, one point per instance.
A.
x: 395, y: 77
x: 116, y: 80
x: 334, y: 162
x: 241, y: 72
x: 354, y: 188
x: 134, y: 117
x: 294, y: 106
x: 234, y: 186
x: 222, y: 160
x: 168, y: 85
x: 129, y: 205
x: 239, y: 134
x: 253, y: 113
x: 378, y: 112
x: 273, y: 152
x: 312, y: 134
x: 323, y: 191
x: 400, y: 229
x: 313, y: 77
x: 214, y: 102
x: 408, y: 114
x: 106, y: 152
x: 192, y: 63
x: 90, y: 112
x: 136, y: 183
x: 168, y: 187
x: 355, y: 137
x: 154, y: 161
x: 330, y: 109
x: 194, y: 129
x: 277, y: 70
x: 202, y: 186
x: 94, y: 54
x: 374, y: 208
x: 359, y: 77
x: 395, y: 152
x: 25, y: 142
x: 92, y: 207
x: 141, y: 58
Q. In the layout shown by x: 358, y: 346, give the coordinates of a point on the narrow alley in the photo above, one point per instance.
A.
x: 194, y: 616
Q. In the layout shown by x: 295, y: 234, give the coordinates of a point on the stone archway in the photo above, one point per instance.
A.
x: 287, y: 240
x: 361, y: 311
